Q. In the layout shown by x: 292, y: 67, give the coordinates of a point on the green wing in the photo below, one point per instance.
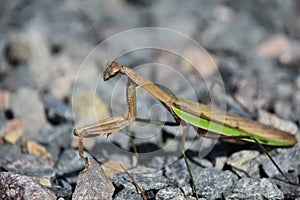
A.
x: 240, y: 129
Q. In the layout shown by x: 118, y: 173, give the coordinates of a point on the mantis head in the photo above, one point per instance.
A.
x: 112, y: 69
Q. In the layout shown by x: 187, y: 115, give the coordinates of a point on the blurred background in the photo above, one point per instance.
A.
x: 53, y: 54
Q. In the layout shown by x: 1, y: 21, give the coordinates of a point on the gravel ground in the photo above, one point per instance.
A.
x: 52, y: 59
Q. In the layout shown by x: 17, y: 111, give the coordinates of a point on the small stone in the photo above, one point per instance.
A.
x: 244, y: 163
x: 60, y: 86
x: 291, y: 154
x: 57, y: 111
x: 158, y: 162
x: 62, y: 193
x: 43, y: 176
x: 62, y: 183
x: 220, y: 162
x: 146, y: 178
x: 290, y: 191
x: 224, y: 13
x: 247, y: 188
x: 177, y: 172
x: 54, y: 152
x: 202, y: 162
x: 291, y: 55
x: 30, y: 47
x: 17, y: 50
x: 59, y: 136
x: 15, y: 186
x: 273, y: 47
x: 13, y: 130
x: 93, y: 182
x: 187, y: 190
x: 169, y: 193
x: 38, y: 150
x: 69, y: 162
x: 9, y: 149
x: 269, y: 167
x: 16, y: 162
x: 55, y: 139
x: 32, y: 114
x: 128, y: 194
x: 211, y: 183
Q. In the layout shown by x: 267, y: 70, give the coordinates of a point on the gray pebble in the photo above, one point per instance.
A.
x: 177, y: 172
x: 17, y: 162
x: 32, y: 114
x: 169, y: 193
x: 9, y: 149
x: 245, y: 163
x: 59, y: 136
x: 147, y: 178
x: 247, y: 188
x: 128, y: 194
x: 211, y: 183
x: 270, y: 169
x: 69, y: 162
x: 57, y: 111
x: 43, y: 176
x: 93, y: 182
x: 15, y: 186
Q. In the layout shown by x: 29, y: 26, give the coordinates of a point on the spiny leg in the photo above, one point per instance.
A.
x: 223, y: 137
x: 80, y: 151
x: 110, y: 125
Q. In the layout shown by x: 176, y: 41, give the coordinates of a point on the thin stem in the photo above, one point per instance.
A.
x: 184, y: 133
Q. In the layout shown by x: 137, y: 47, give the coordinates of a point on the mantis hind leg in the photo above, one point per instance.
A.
x: 184, y: 134
x: 226, y: 138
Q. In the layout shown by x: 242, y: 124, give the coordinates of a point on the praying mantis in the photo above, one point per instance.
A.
x: 208, y: 122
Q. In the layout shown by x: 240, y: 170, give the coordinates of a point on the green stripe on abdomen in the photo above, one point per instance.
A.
x: 222, y: 129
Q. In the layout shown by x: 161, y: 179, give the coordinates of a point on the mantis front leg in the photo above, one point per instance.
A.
x: 110, y: 125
